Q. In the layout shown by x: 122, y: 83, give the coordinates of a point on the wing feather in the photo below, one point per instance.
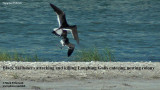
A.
x: 75, y: 34
x: 73, y: 30
x: 60, y: 16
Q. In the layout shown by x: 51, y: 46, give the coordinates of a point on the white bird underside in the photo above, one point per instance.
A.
x: 62, y: 42
x: 73, y: 31
x: 58, y: 31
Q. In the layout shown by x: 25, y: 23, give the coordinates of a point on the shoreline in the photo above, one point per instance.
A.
x: 120, y: 74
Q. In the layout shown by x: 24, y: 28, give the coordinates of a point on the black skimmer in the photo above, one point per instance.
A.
x: 63, y: 30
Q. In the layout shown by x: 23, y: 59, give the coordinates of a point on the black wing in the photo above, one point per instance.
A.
x: 60, y: 16
x: 75, y: 33
x: 70, y: 51
x: 73, y: 30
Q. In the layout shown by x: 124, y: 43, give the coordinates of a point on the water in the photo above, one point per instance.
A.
x: 130, y: 28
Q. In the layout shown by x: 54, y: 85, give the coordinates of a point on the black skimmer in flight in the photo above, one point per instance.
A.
x: 63, y: 29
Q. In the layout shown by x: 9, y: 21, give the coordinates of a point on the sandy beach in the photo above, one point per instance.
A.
x: 79, y: 75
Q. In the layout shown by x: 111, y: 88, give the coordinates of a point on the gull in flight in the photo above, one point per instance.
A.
x: 63, y: 29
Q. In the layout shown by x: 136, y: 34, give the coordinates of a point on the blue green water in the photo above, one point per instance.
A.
x: 130, y: 28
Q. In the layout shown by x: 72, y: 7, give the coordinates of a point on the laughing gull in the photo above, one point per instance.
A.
x: 63, y: 29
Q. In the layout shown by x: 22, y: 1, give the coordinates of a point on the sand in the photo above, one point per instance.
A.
x: 80, y: 75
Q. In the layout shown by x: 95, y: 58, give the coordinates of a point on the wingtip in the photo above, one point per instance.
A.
x: 69, y: 55
x: 51, y: 4
x: 70, y: 51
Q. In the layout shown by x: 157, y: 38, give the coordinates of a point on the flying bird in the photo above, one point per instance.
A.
x: 63, y: 30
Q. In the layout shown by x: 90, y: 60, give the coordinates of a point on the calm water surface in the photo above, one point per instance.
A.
x: 130, y: 28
